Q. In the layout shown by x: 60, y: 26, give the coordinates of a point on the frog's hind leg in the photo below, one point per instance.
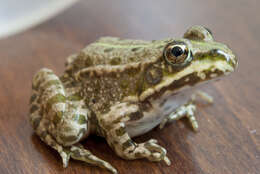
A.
x: 76, y: 151
x: 60, y: 119
x: 120, y: 141
x: 68, y: 120
x: 187, y: 110
x: 45, y: 86
x: 42, y: 132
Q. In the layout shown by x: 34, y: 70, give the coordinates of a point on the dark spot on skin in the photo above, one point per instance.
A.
x: 82, y: 119
x: 49, y: 73
x: 57, y: 117
x: 36, y: 122
x: 153, y: 75
x: 132, y: 59
x: 120, y: 132
x: 88, y: 61
x: 70, y: 138
x: 194, y: 35
x: 53, y: 144
x: 82, y: 61
x: 115, y: 61
x: 34, y: 87
x: 138, y: 155
x: 115, y: 142
x: 76, y: 153
x: 145, y: 106
x: 44, y: 134
x: 33, y: 108
x: 33, y: 97
x: 108, y: 50
x: 135, y: 49
x: 136, y: 115
x: 74, y: 97
x: 128, y: 144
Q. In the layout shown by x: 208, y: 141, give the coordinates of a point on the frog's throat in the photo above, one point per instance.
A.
x: 197, y: 71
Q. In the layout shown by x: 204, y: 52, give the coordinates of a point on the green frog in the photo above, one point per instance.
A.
x: 120, y: 88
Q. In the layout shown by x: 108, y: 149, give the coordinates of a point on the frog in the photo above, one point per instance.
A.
x: 122, y: 88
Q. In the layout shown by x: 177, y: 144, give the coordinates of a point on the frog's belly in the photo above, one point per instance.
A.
x: 161, y: 108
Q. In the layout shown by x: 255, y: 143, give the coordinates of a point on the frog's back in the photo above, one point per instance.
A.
x: 115, y: 51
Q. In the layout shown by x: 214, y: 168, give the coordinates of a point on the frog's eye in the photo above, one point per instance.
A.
x: 177, y: 54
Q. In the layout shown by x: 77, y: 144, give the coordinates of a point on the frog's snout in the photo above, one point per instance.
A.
x: 229, y: 57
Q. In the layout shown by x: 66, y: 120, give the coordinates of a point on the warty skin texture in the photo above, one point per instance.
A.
x: 120, y: 89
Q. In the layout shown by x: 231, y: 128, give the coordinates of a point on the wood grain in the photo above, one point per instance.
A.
x: 229, y: 138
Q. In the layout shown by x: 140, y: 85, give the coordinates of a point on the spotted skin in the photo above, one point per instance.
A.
x: 119, y: 89
x: 60, y: 122
x: 119, y: 139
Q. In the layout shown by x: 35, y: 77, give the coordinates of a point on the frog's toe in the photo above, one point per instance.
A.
x: 193, y: 122
x: 190, y: 114
x: 78, y: 152
x: 65, y: 159
x: 156, y: 152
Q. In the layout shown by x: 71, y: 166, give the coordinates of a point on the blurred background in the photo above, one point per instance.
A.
x: 36, y: 34
x: 17, y: 16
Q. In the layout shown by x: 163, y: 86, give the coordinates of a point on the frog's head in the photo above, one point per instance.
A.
x: 191, y: 60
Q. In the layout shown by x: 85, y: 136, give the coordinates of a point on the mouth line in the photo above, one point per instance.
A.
x: 198, y: 70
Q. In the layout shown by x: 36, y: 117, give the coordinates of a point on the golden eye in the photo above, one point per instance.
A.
x: 177, y: 54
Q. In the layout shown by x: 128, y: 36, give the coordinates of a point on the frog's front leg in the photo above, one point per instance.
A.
x: 60, y: 119
x: 188, y: 110
x: 119, y: 140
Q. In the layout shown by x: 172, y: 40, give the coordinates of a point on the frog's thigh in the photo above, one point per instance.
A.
x: 68, y: 119
x: 74, y: 126
x: 120, y: 141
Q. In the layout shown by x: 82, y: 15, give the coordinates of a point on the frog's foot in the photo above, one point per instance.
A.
x: 78, y: 152
x: 115, y: 131
x: 42, y: 132
x: 154, y: 152
x: 186, y: 110
x: 126, y: 148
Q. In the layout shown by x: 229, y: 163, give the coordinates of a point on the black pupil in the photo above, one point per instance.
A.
x: 177, y: 51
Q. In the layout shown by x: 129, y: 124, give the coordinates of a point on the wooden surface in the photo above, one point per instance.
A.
x: 229, y: 137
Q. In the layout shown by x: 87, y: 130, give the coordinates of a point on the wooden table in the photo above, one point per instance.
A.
x: 229, y: 137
